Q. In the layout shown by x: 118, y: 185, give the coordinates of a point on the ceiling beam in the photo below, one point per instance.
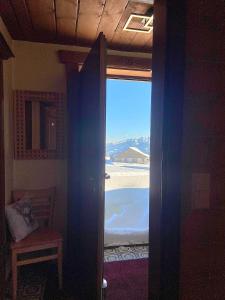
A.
x: 113, y: 61
x: 141, y: 75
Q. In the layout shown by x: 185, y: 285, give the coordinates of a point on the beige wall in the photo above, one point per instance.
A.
x: 35, y: 67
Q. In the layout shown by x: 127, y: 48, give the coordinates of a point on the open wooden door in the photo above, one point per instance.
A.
x: 86, y: 111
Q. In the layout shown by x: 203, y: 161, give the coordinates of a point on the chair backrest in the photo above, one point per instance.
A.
x: 42, y: 202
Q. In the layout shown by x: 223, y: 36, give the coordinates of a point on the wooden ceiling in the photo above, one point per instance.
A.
x: 76, y: 22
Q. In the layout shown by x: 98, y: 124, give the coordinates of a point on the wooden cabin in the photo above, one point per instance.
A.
x: 132, y: 155
x: 55, y: 57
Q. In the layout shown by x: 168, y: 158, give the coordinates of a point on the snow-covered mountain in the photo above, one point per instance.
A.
x: 142, y: 143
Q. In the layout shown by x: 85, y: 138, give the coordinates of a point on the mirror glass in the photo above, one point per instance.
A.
x: 40, y: 125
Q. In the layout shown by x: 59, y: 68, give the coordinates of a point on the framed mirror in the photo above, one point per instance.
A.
x: 39, y: 125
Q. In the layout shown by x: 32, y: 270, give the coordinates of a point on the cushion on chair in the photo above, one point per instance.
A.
x: 20, y: 219
x: 38, y: 238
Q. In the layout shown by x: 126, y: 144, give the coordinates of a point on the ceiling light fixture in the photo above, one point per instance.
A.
x: 144, y: 23
x: 143, y: 1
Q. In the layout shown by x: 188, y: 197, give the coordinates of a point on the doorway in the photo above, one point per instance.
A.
x: 127, y: 188
x: 166, y: 129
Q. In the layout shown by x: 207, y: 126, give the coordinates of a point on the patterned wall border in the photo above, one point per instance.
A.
x: 19, y: 125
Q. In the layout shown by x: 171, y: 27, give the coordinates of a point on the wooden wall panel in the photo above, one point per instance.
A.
x: 203, y: 242
x: 2, y: 188
x: 5, y: 53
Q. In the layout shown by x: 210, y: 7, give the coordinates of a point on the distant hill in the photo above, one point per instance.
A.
x: 142, y: 143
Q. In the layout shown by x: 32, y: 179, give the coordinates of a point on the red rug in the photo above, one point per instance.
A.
x: 126, y: 280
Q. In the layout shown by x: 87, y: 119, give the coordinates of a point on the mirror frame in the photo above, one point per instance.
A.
x: 20, y: 98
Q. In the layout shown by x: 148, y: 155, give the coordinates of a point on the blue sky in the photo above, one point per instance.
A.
x: 127, y: 109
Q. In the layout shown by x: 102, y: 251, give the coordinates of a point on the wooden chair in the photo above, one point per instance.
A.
x: 43, y: 238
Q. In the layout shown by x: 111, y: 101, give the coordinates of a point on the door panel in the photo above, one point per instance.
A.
x: 89, y: 121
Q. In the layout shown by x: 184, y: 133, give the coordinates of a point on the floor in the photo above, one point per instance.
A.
x: 39, y: 282
x: 126, y: 253
x: 126, y: 279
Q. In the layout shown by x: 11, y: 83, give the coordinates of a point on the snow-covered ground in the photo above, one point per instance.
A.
x: 126, y: 203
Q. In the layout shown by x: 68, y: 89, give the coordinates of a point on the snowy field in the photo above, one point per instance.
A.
x: 126, y: 203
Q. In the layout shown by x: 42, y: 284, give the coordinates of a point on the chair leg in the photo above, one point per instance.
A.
x: 59, y: 262
x: 14, y: 275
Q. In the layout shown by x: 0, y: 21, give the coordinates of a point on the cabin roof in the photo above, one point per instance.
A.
x: 139, y: 151
x: 131, y: 151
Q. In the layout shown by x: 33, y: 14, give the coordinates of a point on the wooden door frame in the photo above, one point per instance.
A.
x: 5, y: 53
x: 166, y: 147
x: 119, y: 66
